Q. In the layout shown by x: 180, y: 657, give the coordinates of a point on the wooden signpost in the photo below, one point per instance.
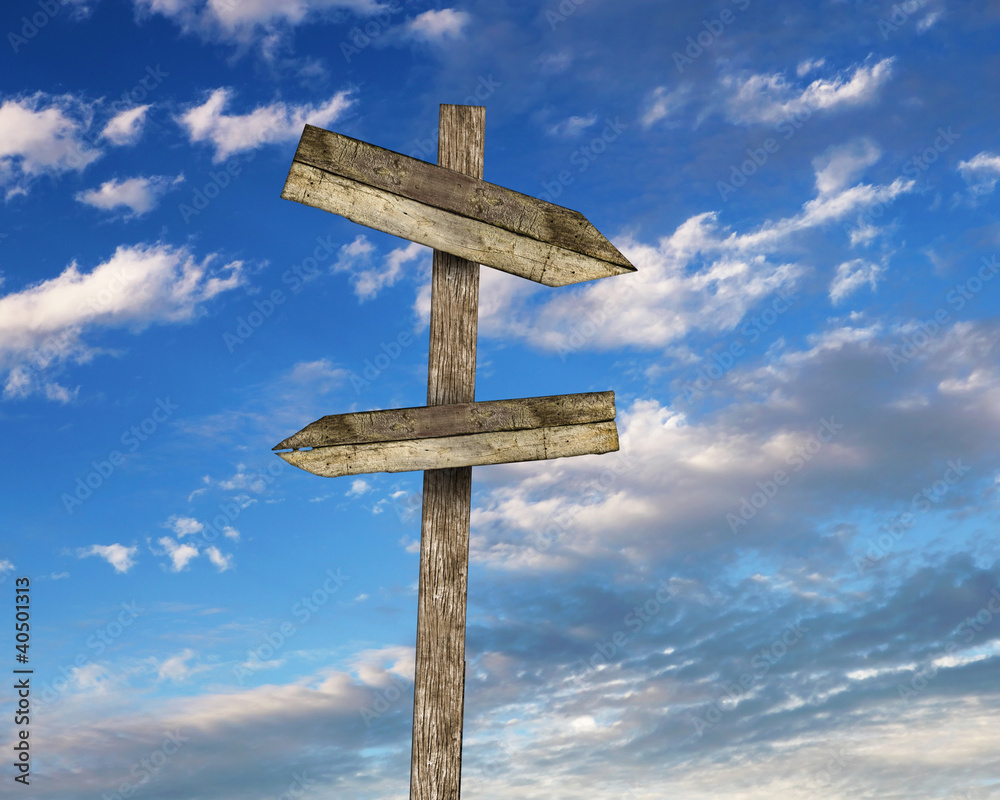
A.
x: 468, y: 222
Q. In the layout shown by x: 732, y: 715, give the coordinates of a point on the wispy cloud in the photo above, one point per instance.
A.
x: 436, y: 25
x: 248, y: 21
x: 42, y: 327
x: 119, y: 556
x: 980, y: 173
x: 368, y: 278
x: 663, y: 104
x: 237, y: 133
x: 43, y: 134
x: 704, y: 276
x: 572, y: 126
x: 770, y: 98
x: 851, y: 276
x: 126, y: 127
x: 180, y: 554
x: 139, y: 195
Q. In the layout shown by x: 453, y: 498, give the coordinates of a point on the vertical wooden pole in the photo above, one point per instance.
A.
x: 439, y: 683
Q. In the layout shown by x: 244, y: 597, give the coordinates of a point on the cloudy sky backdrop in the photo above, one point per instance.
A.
x: 784, y: 584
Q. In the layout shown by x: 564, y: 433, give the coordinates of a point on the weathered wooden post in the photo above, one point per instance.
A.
x: 439, y: 680
x: 450, y: 208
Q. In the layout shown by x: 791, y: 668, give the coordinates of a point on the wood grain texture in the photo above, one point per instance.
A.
x: 449, y: 211
x: 478, y: 449
x: 424, y: 422
x: 439, y: 680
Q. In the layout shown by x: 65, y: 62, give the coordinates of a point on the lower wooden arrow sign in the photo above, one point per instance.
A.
x: 457, y: 435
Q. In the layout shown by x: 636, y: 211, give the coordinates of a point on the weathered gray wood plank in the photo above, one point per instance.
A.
x: 439, y: 679
x: 444, y: 209
x: 398, y: 424
x: 476, y: 449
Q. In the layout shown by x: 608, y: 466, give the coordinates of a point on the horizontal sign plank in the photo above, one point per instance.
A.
x: 449, y: 211
x: 462, y: 434
x: 422, y: 422
x: 476, y: 449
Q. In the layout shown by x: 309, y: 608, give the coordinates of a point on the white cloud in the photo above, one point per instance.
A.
x: 221, y: 561
x: 42, y: 326
x: 126, y: 127
x: 242, y: 479
x: 842, y: 165
x: 6, y: 566
x: 981, y: 173
x: 118, y: 556
x: 359, y: 486
x: 184, y: 526
x: 176, y: 667
x: 554, y: 63
x: 663, y: 104
x: 368, y: 280
x: 702, y: 277
x: 321, y: 375
x: 572, y: 126
x: 852, y: 275
x: 42, y: 134
x: 231, y: 533
x: 808, y: 65
x: 236, y: 133
x: 180, y: 554
x: 139, y: 195
x: 434, y: 26
x: 242, y: 20
x: 769, y: 98
x: 929, y: 21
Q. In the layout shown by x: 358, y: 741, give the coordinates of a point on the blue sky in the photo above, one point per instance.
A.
x: 787, y: 580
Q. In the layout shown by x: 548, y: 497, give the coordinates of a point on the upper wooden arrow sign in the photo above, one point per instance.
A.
x: 449, y: 211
